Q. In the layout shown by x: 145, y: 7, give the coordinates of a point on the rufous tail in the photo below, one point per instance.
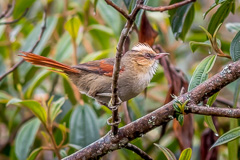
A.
x: 46, y: 62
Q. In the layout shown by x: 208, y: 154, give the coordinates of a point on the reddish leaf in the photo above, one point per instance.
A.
x: 146, y: 33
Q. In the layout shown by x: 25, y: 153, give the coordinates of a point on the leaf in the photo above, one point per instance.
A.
x: 73, y: 26
x: 180, y: 119
x: 101, y: 28
x: 146, y: 33
x: 140, y: 13
x: 201, y: 72
x: 235, y: 47
x: 63, y: 153
x: 56, y: 108
x: 227, y: 137
x: 207, y: 33
x: 83, y: 126
x: 110, y: 16
x: 34, y: 106
x: 34, y: 153
x: 36, y: 82
x: 32, y: 39
x: 181, y: 19
x: 96, y: 56
x: 219, y: 16
x: 212, y: 99
x: 21, y: 6
x: 4, y: 97
x: 64, y: 47
x: 25, y: 138
x: 68, y: 89
x: 233, y: 27
x: 194, y: 45
x: 169, y: 155
x: 186, y: 154
x: 213, y: 6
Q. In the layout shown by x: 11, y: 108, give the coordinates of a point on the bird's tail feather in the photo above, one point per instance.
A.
x: 46, y: 62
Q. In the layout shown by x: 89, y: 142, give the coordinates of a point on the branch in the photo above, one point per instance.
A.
x: 114, y: 99
x: 160, y: 116
x: 16, y: 20
x: 8, y: 11
x: 213, y: 111
x: 120, y: 10
x: 165, y: 8
x: 32, y: 50
x: 138, y: 151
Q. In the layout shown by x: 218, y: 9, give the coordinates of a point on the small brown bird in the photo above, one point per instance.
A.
x: 95, y: 78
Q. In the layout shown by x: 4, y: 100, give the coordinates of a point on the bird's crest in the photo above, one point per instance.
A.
x: 142, y: 46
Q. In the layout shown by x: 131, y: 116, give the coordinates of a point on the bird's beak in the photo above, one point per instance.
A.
x: 160, y: 55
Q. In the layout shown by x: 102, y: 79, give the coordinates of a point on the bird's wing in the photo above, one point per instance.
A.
x: 101, y: 67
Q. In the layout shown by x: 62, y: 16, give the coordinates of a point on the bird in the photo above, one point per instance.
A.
x: 94, y: 78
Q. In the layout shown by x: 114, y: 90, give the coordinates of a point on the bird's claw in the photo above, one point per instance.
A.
x: 113, y: 107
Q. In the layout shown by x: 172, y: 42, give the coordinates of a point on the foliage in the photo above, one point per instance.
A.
x: 42, y: 110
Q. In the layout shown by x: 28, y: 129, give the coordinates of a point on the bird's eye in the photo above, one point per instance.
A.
x: 148, y: 55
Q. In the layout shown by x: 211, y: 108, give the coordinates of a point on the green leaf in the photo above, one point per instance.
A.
x: 201, y: 72
x: 4, y: 97
x: 233, y: 27
x: 213, y: 6
x: 140, y: 13
x: 169, y: 155
x: 34, y: 106
x: 227, y: 137
x: 207, y: 33
x: 110, y: 16
x: 73, y: 26
x: 176, y: 107
x: 212, y: 99
x: 219, y: 16
x: 181, y: 19
x: 36, y: 82
x: 96, y: 56
x: 25, y: 138
x: 235, y: 47
x: 21, y: 6
x: 34, y: 153
x: 101, y: 28
x: 186, y: 154
x: 33, y: 38
x: 209, y: 121
x: 63, y: 153
x: 56, y: 108
x: 64, y: 47
x: 194, y: 45
x: 180, y: 119
x: 68, y: 89
x: 83, y: 126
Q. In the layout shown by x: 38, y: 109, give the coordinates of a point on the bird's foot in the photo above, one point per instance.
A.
x: 114, y: 107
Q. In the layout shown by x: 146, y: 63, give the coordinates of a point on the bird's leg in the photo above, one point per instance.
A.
x: 109, y: 105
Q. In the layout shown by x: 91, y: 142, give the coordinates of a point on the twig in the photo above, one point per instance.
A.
x: 160, y: 116
x: 120, y: 10
x: 114, y: 99
x: 16, y: 20
x: 126, y: 113
x: 165, y: 8
x: 8, y: 11
x: 213, y: 111
x: 138, y: 151
x: 225, y: 102
x: 34, y: 47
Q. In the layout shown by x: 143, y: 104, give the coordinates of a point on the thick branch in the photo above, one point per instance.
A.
x: 33, y: 48
x: 138, y: 151
x: 213, y: 111
x: 160, y: 116
x: 165, y: 8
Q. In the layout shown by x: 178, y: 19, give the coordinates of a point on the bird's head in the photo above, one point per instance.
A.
x: 143, y: 55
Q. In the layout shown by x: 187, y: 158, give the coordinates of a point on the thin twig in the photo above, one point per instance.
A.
x: 8, y: 11
x: 225, y: 102
x: 138, y: 151
x: 126, y: 113
x: 114, y: 99
x: 16, y: 20
x: 120, y: 10
x: 32, y: 50
x: 213, y: 111
x: 165, y: 8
